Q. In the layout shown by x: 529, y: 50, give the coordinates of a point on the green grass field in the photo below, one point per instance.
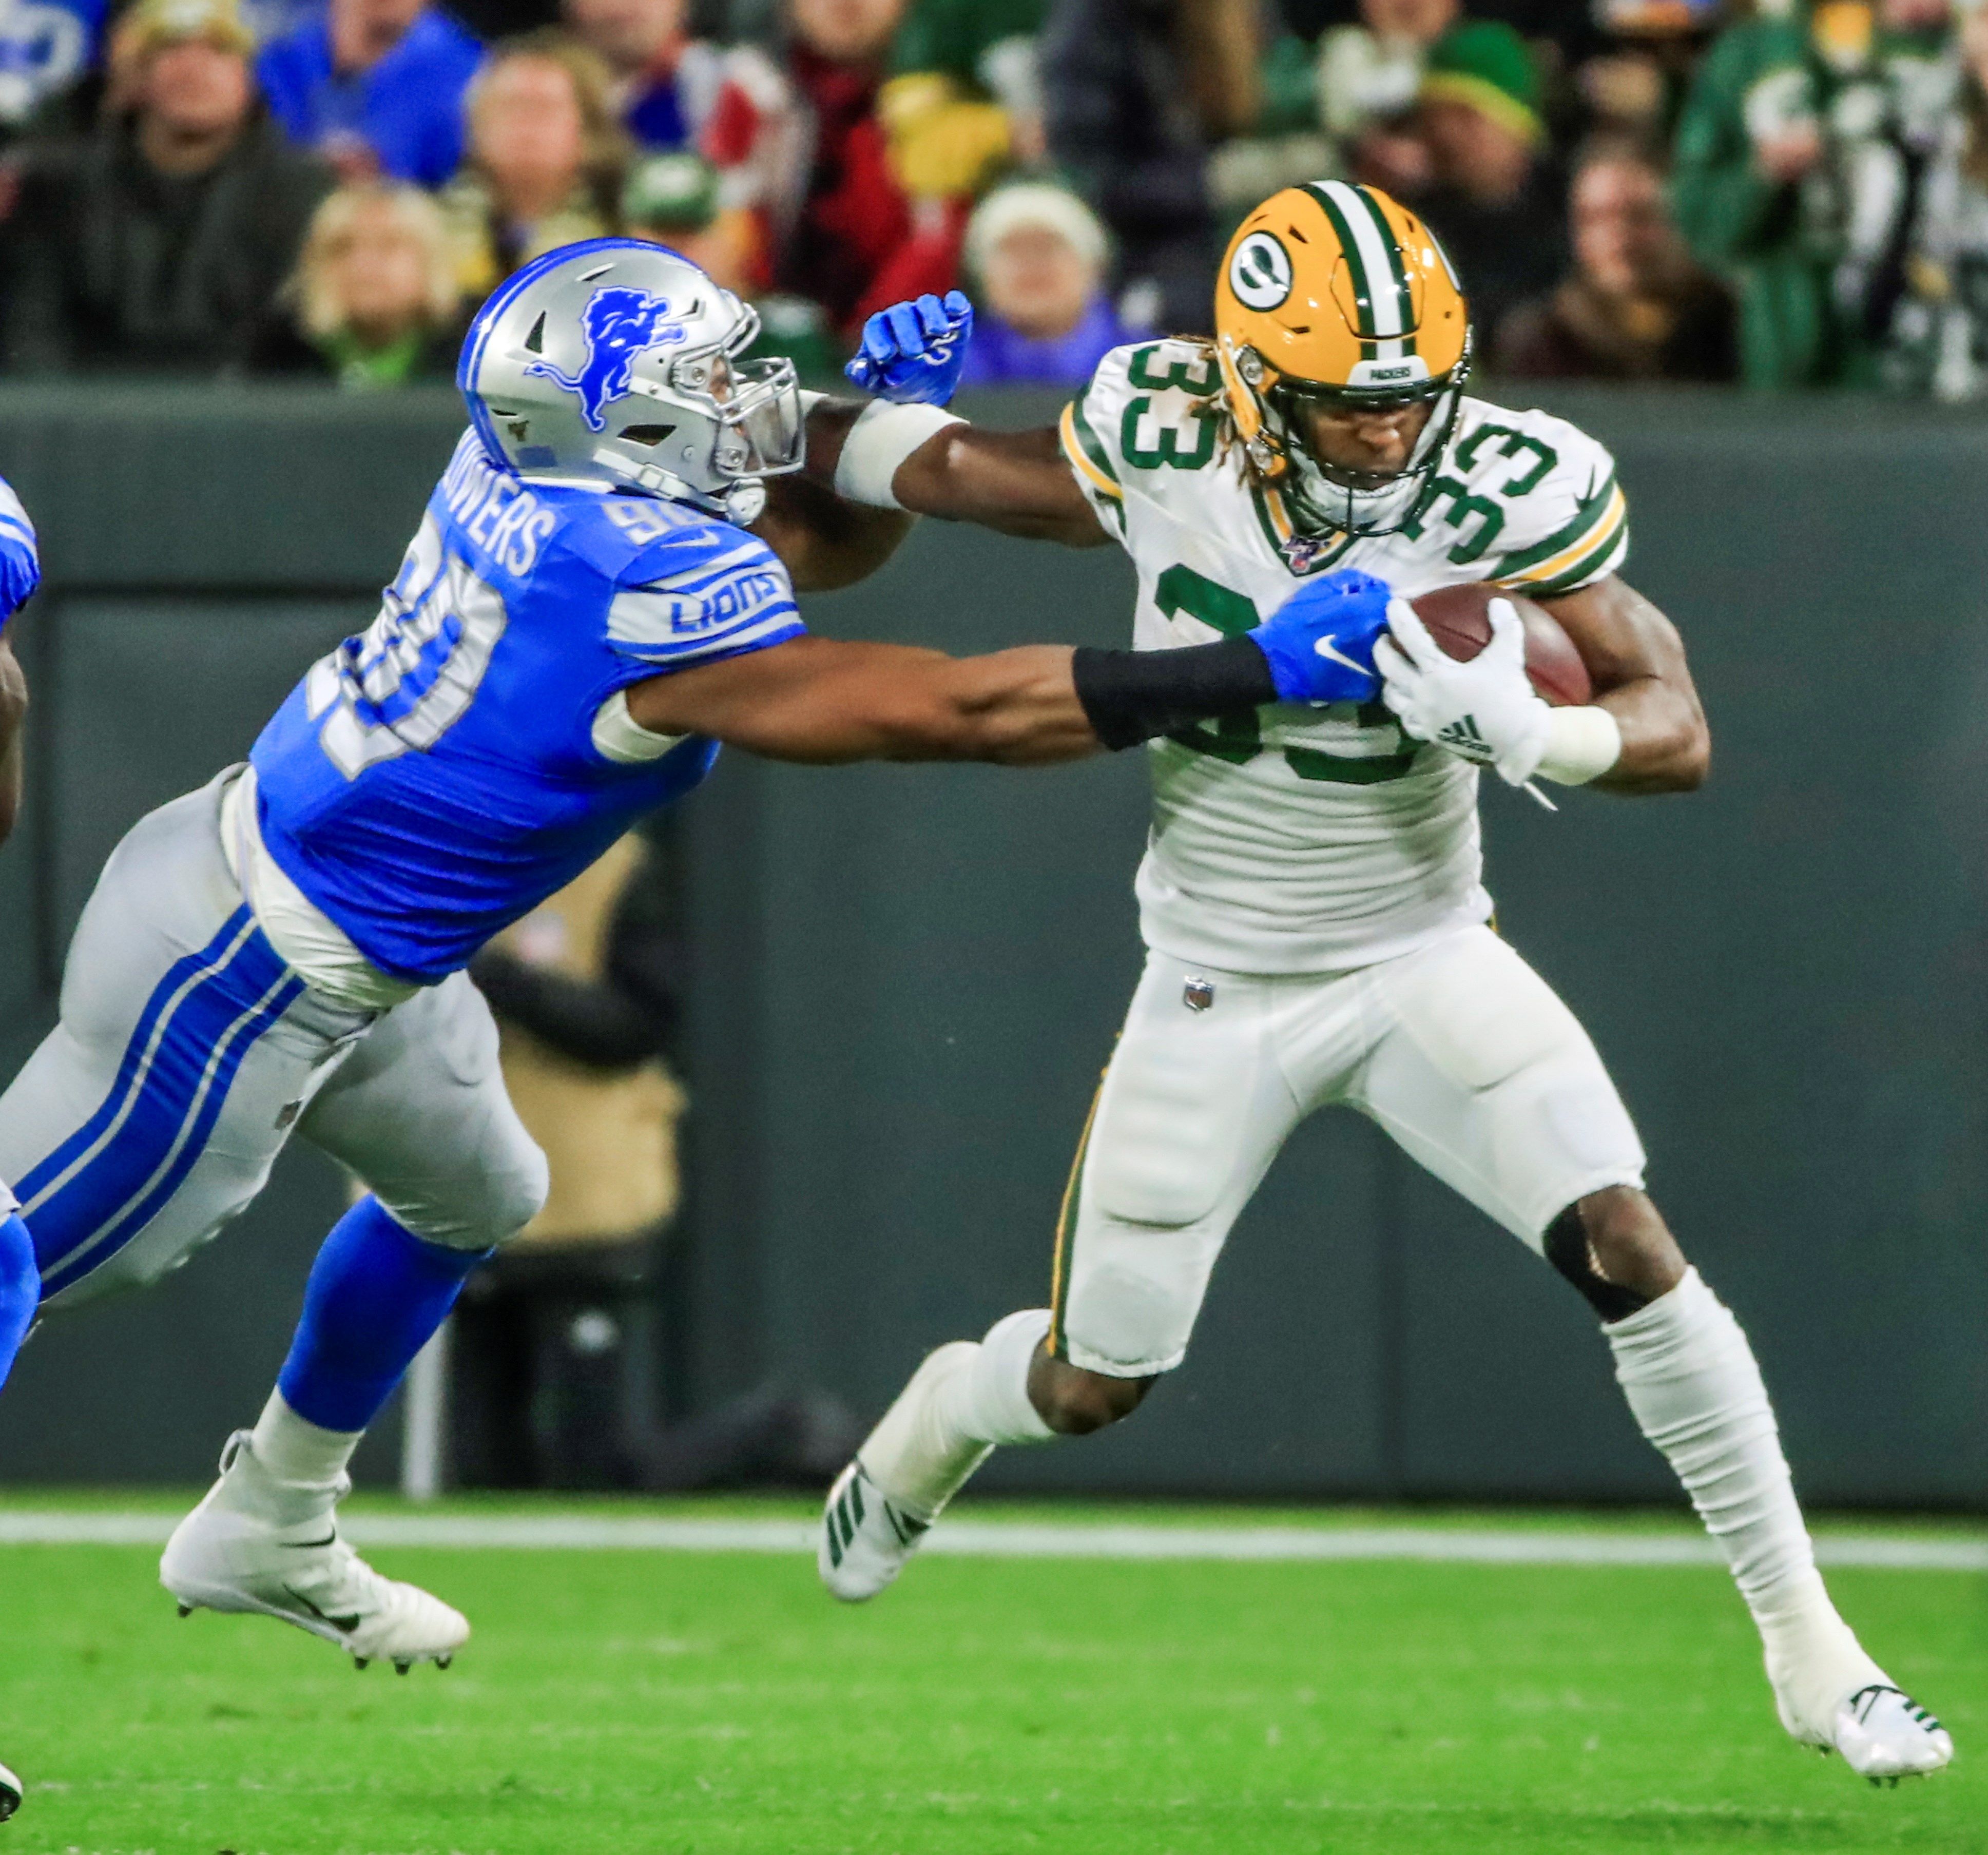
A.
x: 648, y: 1703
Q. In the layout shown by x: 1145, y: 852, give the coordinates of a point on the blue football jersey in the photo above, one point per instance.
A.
x: 440, y: 774
x: 20, y: 561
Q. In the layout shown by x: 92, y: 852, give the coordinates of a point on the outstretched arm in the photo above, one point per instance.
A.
x: 1015, y: 481
x: 821, y: 699
x: 1636, y: 662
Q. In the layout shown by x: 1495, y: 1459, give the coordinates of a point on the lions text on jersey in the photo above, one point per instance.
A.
x: 439, y: 775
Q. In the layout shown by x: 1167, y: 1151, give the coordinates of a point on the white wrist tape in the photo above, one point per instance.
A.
x: 882, y: 438
x: 809, y: 399
x: 1582, y: 744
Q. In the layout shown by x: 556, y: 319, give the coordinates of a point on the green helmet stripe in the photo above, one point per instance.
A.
x: 1398, y: 272
x: 1362, y: 292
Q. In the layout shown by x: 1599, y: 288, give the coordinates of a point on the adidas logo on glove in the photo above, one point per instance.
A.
x: 1462, y: 736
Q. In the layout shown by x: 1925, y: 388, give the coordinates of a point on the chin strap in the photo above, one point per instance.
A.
x: 741, y: 503
x: 745, y: 501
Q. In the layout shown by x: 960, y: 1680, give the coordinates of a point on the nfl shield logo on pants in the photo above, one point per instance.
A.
x: 1199, y: 994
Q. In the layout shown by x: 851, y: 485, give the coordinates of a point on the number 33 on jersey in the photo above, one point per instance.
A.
x: 1291, y: 840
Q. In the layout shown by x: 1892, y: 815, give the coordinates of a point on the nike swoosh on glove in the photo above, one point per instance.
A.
x: 911, y: 353
x: 1321, y: 640
x: 1483, y: 711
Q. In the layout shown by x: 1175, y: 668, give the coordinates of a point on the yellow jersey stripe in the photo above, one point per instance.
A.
x: 1074, y: 449
x: 1606, y: 529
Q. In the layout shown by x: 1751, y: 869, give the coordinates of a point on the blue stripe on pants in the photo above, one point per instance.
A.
x: 178, y: 976
x: 186, y: 1062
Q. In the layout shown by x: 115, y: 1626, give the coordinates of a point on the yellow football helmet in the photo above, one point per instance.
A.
x: 1339, y: 295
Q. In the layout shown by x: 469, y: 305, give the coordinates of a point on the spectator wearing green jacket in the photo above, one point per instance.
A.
x: 1791, y: 175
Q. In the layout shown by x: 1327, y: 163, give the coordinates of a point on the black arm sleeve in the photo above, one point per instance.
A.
x: 1130, y: 696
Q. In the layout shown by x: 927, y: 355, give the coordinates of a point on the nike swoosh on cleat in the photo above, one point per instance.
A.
x: 344, y: 1624
x: 305, y: 1545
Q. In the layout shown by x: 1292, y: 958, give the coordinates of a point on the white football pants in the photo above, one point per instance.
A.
x: 187, y: 1053
x: 1460, y: 1051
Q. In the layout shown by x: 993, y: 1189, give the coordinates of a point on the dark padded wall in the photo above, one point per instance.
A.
x: 907, y: 979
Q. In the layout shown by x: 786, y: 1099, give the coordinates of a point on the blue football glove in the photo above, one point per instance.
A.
x: 1321, y: 640
x: 912, y: 352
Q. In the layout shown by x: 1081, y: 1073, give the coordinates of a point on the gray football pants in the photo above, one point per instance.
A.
x: 188, y: 1053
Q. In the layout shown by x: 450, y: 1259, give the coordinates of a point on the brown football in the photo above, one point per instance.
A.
x: 1459, y: 619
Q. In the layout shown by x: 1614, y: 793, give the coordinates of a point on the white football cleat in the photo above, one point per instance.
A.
x: 233, y: 1553
x: 10, y: 1793
x: 865, y: 1537
x: 1885, y: 1735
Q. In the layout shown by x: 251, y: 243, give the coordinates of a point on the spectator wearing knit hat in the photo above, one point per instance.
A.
x: 1497, y: 198
x: 157, y: 241
x: 374, y: 86
x: 1038, y: 256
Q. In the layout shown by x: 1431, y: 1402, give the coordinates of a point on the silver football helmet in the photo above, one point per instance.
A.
x: 617, y: 361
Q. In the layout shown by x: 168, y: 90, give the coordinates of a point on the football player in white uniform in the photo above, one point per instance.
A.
x: 1311, y: 895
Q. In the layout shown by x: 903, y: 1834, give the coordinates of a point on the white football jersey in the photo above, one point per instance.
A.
x: 1299, y: 839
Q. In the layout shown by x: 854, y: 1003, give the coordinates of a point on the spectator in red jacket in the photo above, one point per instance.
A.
x: 808, y: 153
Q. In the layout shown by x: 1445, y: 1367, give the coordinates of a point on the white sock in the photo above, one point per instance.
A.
x: 964, y: 1400
x: 303, y: 1464
x: 1691, y: 1379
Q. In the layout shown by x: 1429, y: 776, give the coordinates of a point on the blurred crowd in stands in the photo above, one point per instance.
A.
x: 1783, y: 192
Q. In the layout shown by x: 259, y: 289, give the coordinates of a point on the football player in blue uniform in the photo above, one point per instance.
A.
x: 20, y: 573
x: 583, y: 616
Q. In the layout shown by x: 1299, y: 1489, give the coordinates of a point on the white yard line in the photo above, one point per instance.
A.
x: 1020, y: 1540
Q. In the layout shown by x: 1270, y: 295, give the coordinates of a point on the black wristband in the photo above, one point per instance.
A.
x: 1130, y: 696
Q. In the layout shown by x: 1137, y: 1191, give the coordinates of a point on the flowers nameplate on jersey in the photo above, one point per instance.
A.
x: 619, y: 324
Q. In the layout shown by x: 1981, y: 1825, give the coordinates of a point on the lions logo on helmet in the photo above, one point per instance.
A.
x: 616, y: 361
x: 618, y: 325
x: 1339, y: 296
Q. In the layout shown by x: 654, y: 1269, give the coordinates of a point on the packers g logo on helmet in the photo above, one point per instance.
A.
x: 1260, y: 272
x: 1334, y: 292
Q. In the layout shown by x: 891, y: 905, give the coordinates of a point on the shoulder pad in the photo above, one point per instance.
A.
x: 697, y: 587
x: 1146, y: 410
x: 1534, y: 499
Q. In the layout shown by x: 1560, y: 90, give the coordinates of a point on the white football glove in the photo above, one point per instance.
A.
x: 1484, y: 711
